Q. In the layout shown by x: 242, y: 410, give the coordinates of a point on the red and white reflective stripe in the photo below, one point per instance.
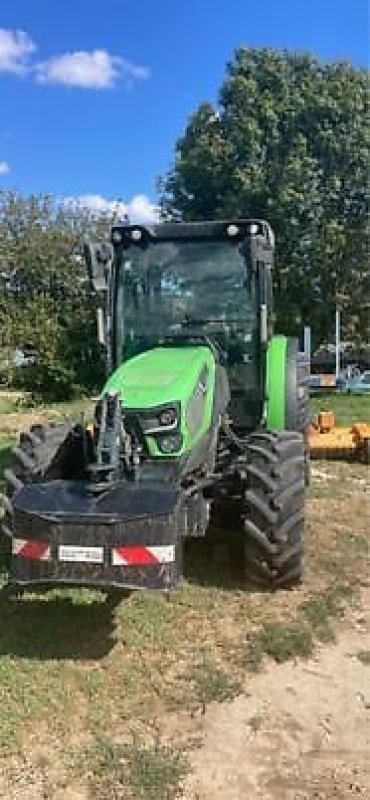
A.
x: 135, y: 556
x: 31, y: 548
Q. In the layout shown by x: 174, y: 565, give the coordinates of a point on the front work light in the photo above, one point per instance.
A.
x: 136, y: 235
x: 253, y: 228
x: 170, y: 444
x: 232, y: 230
x: 117, y: 236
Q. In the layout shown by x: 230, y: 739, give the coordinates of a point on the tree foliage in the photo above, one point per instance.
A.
x: 46, y: 310
x: 288, y: 142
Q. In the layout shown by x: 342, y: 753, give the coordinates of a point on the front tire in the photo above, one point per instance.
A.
x: 45, y: 452
x: 273, y: 509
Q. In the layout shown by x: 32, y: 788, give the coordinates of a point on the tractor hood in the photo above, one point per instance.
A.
x: 160, y: 376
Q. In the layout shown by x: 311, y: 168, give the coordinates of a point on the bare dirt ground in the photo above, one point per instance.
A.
x: 302, y: 733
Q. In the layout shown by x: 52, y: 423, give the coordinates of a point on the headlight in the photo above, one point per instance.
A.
x: 170, y: 444
x: 168, y: 417
x: 164, y: 419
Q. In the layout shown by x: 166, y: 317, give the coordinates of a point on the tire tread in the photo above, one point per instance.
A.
x: 273, y: 514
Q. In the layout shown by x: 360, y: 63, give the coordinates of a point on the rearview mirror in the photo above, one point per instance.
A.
x: 99, y: 259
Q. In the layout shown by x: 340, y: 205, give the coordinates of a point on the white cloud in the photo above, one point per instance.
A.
x: 15, y: 49
x: 88, y: 70
x: 138, y: 209
x: 95, y: 69
x: 4, y: 168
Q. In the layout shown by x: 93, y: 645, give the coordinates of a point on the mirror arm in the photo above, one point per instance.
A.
x: 99, y: 260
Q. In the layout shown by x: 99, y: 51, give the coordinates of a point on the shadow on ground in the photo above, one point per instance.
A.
x: 216, y: 560
x: 80, y: 625
x: 57, y: 627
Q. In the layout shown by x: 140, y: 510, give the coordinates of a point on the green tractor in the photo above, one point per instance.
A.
x: 202, y: 417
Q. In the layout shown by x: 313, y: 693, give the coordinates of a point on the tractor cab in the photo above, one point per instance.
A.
x: 185, y: 284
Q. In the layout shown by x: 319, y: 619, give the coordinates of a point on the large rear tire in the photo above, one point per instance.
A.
x: 273, y: 509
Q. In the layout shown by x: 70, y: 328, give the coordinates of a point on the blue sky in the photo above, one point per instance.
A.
x: 94, y: 94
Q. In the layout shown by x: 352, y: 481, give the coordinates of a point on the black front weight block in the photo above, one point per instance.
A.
x: 128, y: 537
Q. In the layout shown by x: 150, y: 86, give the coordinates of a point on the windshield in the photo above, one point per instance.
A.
x: 170, y: 289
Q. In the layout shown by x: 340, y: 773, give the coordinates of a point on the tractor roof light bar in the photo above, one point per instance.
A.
x: 234, y: 230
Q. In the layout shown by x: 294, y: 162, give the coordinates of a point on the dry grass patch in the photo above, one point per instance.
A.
x: 135, y: 771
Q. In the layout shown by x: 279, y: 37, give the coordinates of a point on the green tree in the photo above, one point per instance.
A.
x: 45, y: 305
x: 289, y: 142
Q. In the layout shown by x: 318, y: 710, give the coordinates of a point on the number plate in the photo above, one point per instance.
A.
x: 90, y: 555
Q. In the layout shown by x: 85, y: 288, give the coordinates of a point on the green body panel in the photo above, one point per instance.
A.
x: 276, y: 384
x: 164, y: 376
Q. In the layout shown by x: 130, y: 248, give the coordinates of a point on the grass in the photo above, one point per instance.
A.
x: 347, y: 408
x: 135, y: 770
x: 283, y: 640
x: 364, y: 657
x: 255, y: 722
x: 280, y: 641
x: 92, y: 676
x: 323, y: 608
x: 18, y: 403
x: 212, y: 683
x: 8, y: 405
x: 356, y: 544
